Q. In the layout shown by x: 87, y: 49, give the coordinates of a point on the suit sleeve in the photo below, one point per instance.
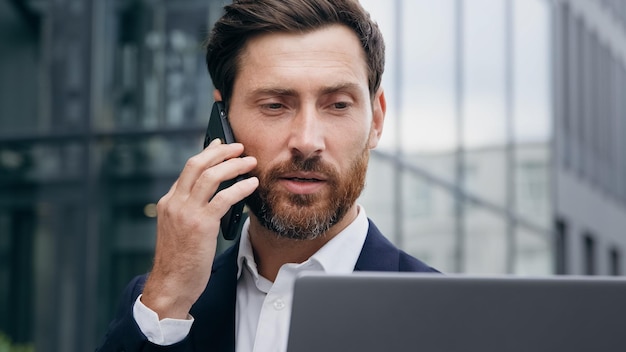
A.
x: 124, y: 334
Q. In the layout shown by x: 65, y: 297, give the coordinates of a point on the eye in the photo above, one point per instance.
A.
x: 273, y: 106
x: 339, y: 102
x: 342, y: 105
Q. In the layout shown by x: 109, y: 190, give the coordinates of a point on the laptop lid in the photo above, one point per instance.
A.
x: 428, y: 312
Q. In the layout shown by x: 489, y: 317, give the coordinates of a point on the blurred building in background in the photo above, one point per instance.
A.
x: 504, y: 148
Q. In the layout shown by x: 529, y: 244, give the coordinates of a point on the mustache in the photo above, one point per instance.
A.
x: 299, y: 163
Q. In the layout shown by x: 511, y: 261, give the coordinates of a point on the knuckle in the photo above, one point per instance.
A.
x: 220, y: 203
x: 209, y: 176
x: 161, y: 205
x: 194, y: 223
x: 221, y: 198
x: 193, y: 162
x: 165, y: 209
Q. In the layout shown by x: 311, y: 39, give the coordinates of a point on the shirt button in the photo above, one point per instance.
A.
x: 279, y: 304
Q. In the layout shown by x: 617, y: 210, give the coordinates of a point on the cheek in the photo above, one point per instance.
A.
x: 266, y: 149
x: 266, y: 154
x: 351, y: 140
x: 254, y: 137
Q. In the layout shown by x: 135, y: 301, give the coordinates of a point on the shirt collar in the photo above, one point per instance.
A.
x: 338, y: 256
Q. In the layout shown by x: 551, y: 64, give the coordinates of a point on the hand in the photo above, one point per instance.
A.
x: 188, y: 226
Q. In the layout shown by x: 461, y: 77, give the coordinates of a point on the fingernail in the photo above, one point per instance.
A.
x: 253, y: 180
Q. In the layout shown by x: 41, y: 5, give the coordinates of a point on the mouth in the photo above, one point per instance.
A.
x: 303, y: 183
x: 301, y: 179
x: 304, y: 177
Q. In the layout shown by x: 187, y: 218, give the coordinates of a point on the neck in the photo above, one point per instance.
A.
x: 272, y: 251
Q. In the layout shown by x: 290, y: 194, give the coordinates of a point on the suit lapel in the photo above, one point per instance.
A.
x: 378, y: 254
x: 214, y: 312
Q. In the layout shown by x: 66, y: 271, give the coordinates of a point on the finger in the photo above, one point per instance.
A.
x: 173, y: 187
x: 227, y: 197
x: 208, y: 182
x: 214, y: 154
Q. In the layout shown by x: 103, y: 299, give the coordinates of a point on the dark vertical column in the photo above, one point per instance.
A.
x: 589, y: 255
x: 560, y: 248
x: 67, y: 105
x: 563, y: 84
x: 621, y: 130
x: 563, y: 93
x: 615, y: 262
x: 582, y: 95
x: 20, y: 310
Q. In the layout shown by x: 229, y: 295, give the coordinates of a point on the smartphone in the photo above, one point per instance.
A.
x: 230, y: 225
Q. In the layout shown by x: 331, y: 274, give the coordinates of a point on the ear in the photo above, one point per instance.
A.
x: 217, y: 95
x: 379, y: 109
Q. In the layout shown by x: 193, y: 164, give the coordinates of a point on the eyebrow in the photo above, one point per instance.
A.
x: 346, y: 86
x: 276, y: 91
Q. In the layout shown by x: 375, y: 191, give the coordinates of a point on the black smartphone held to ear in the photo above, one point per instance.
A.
x: 219, y: 127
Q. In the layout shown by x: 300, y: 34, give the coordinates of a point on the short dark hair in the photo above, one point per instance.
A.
x: 244, y: 19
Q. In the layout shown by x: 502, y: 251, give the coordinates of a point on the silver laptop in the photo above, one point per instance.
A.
x: 428, y: 312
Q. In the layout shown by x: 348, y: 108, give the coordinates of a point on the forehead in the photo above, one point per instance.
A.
x: 327, y: 54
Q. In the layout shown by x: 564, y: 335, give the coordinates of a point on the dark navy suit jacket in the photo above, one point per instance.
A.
x: 214, y: 312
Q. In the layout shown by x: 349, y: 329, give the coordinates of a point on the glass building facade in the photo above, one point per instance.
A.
x: 462, y: 178
x: 102, y: 102
x: 590, y: 130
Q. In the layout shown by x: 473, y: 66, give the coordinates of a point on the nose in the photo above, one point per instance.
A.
x: 307, y: 134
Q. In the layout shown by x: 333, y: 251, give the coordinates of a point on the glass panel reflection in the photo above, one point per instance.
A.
x: 429, y: 223
x: 532, y: 253
x: 532, y: 184
x: 150, y: 156
x: 532, y: 105
x: 42, y: 162
x: 483, y: 73
x: 485, y: 241
x: 423, y: 97
x: 485, y: 174
x: 378, y: 197
x: 428, y: 92
x: 159, y: 74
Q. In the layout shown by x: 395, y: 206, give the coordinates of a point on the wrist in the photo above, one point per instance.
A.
x: 166, y: 305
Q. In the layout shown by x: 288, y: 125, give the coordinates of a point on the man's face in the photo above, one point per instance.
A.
x: 301, y: 105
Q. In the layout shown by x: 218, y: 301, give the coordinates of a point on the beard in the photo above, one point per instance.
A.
x: 306, y: 216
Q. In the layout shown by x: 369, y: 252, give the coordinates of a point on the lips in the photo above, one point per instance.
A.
x: 303, y: 182
x: 304, y: 177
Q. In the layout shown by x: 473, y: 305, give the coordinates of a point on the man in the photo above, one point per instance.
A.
x: 301, y: 82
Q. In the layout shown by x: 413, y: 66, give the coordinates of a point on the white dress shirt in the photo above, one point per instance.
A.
x: 263, y: 308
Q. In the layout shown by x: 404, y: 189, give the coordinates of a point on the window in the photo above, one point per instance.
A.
x: 589, y: 255
x: 560, y: 248
x: 615, y: 262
